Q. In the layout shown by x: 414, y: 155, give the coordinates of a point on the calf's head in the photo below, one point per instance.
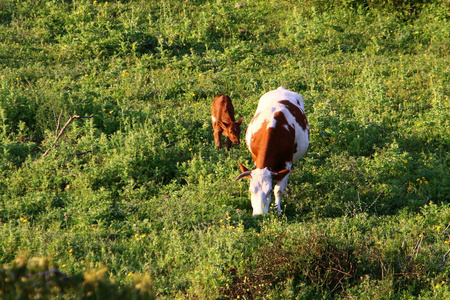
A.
x: 232, y: 130
x: 261, y: 186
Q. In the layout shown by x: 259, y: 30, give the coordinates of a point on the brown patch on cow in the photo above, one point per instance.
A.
x: 280, y: 175
x: 272, y: 147
x: 224, y: 124
x: 298, y: 114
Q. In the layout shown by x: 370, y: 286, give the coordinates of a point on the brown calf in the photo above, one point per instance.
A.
x: 223, y: 121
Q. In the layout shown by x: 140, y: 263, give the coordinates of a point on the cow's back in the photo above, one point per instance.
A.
x: 270, y: 98
x: 279, y: 132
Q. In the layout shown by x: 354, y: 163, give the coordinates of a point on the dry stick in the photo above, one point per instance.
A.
x: 54, y: 117
x: 446, y: 254
x: 57, y: 272
x: 448, y: 226
x: 64, y: 128
x: 445, y: 259
x: 342, y: 272
x: 81, y: 153
x: 417, y: 247
x: 59, y: 122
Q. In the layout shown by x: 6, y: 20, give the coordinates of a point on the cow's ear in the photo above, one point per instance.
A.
x: 245, y: 172
x: 243, y: 169
x: 280, y: 175
x: 240, y: 120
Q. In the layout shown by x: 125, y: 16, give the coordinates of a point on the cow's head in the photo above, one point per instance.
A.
x: 232, y: 130
x: 261, y: 186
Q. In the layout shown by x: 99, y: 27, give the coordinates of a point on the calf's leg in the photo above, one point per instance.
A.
x: 217, y: 135
x: 228, y: 144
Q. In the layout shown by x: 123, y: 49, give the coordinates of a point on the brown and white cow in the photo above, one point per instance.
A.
x: 277, y: 136
x: 223, y: 121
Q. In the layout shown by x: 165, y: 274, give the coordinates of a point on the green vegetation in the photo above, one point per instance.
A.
x: 137, y: 202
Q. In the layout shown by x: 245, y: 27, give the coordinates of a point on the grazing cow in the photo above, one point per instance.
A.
x: 277, y: 136
x: 223, y: 121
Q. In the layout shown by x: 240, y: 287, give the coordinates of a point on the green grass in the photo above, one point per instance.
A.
x: 137, y: 202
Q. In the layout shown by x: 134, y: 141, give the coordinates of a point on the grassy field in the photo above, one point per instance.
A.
x: 136, y: 202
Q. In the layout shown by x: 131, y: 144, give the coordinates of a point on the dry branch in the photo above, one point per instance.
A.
x: 61, y: 132
x: 49, y: 272
x: 81, y: 153
x: 448, y: 252
x: 445, y: 259
x: 58, y: 124
x: 417, y: 247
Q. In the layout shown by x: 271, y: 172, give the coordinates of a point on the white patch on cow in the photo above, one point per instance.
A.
x: 276, y: 95
x: 271, y: 124
x: 302, y: 138
x: 213, y: 119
